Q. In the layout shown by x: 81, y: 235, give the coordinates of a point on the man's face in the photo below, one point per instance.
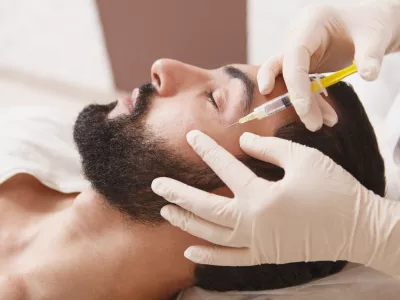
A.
x: 184, y: 100
x: 125, y: 145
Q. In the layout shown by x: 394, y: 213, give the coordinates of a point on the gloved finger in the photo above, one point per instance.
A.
x: 223, y: 163
x: 369, y: 52
x: 211, y: 207
x: 314, y: 120
x: 267, y: 73
x: 295, y: 67
x: 220, y: 256
x: 199, y: 227
x: 329, y: 115
x: 269, y: 149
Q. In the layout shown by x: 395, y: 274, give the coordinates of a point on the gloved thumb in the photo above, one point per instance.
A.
x: 269, y: 149
x: 369, y: 53
x: 220, y: 256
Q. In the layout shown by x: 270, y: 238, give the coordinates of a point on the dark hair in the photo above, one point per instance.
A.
x: 353, y: 145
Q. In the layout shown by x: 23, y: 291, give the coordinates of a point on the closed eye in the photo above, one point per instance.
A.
x: 211, y: 99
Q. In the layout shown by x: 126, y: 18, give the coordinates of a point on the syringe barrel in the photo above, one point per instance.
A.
x: 274, y: 105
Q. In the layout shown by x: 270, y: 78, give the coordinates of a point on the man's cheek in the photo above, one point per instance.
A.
x: 171, y: 125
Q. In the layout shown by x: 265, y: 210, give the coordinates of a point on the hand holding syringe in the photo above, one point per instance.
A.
x: 279, y: 103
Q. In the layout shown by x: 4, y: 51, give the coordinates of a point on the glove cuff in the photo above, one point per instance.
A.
x: 377, y: 234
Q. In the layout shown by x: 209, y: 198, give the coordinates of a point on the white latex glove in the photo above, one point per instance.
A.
x: 317, y: 212
x: 325, y: 39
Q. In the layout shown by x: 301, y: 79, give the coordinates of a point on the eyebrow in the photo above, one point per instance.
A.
x: 233, y: 72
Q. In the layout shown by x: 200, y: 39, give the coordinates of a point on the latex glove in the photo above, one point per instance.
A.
x: 325, y: 39
x: 317, y: 212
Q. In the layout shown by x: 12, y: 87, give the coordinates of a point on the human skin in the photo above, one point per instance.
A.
x: 181, y: 105
x: 57, y: 246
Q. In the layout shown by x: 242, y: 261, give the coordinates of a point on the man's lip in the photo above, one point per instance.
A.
x: 135, y: 94
x: 129, y: 102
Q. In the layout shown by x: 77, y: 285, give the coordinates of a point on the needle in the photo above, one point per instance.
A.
x: 232, y: 125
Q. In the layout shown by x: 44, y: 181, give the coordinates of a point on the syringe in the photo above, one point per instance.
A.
x: 283, y: 101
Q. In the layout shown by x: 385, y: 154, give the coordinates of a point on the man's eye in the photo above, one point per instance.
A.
x: 211, y: 99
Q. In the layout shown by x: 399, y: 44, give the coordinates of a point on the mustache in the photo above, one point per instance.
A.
x: 146, y: 95
x: 98, y: 113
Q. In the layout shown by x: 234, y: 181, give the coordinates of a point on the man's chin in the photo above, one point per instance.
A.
x: 95, y: 112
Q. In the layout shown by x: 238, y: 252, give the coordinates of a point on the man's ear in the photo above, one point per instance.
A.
x: 223, y: 191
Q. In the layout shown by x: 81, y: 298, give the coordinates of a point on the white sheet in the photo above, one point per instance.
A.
x: 38, y: 140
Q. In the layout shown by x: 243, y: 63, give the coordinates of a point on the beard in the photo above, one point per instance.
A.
x: 121, y: 157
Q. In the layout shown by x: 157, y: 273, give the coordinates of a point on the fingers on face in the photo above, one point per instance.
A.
x: 223, y: 163
x: 269, y: 149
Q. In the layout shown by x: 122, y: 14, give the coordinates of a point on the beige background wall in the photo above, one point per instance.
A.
x: 208, y: 33
x: 63, y: 41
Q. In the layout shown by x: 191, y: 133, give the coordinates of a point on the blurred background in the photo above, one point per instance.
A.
x: 93, y: 49
x: 86, y: 50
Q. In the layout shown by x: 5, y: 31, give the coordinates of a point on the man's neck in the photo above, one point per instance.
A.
x: 150, y: 259
x: 93, y: 245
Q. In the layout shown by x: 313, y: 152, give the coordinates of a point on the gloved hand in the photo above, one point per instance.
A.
x: 327, y: 38
x: 317, y: 212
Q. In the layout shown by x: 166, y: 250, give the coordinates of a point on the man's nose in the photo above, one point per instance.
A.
x: 169, y: 76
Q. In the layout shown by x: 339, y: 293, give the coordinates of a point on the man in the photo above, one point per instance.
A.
x: 110, y: 242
